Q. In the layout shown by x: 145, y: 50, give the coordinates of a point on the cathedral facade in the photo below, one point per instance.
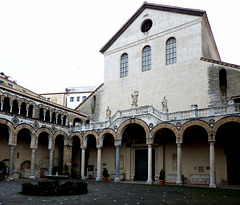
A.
x: 167, y: 102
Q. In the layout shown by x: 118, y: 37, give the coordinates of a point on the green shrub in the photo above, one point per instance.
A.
x: 48, y: 188
x: 81, y: 188
x: 68, y: 188
x: 27, y: 188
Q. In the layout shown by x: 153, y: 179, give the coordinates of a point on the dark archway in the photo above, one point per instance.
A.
x: 134, y: 139
x: 227, y: 146
x: 76, y: 158
x: 58, y: 155
x: 42, y: 155
x: 166, y: 153
x: 195, y: 156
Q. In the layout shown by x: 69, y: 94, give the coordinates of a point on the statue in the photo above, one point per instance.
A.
x: 164, y: 104
x: 108, y: 112
x: 135, y: 98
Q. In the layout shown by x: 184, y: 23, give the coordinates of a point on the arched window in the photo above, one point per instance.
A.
x: 124, y: 65
x: 146, y: 58
x: 223, y: 80
x: 171, y: 52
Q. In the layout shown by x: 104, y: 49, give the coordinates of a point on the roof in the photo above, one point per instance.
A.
x: 159, y: 7
x: 220, y: 62
x: 32, y: 97
x: 89, y: 96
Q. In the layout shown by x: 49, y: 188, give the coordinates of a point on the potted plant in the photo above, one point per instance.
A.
x: 105, y: 175
x: 162, y: 177
x: 3, y: 170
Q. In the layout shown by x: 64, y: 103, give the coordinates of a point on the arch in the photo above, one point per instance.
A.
x: 85, y: 137
x: 75, y: 134
x: 123, y: 126
x: 104, y: 132
x: 194, y: 123
x: 63, y: 134
x: 163, y: 126
x: 33, y: 143
x: 171, y: 53
x: 124, y: 65
x: 77, y: 120
x: 146, y: 58
x: 11, y: 130
x: 224, y: 121
x: 50, y: 136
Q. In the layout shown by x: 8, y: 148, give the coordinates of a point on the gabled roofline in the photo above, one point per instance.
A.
x: 159, y: 7
x: 220, y: 62
x: 93, y: 92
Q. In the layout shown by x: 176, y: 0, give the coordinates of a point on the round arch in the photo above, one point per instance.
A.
x: 85, y: 137
x: 224, y: 121
x: 63, y: 134
x: 104, y: 132
x: 10, y: 129
x: 193, y: 123
x: 163, y: 126
x: 50, y: 136
x: 75, y: 134
x: 32, y: 133
x: 123, y: 126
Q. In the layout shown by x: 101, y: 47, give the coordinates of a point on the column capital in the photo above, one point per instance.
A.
x: 99, y: 147
x: 211, y: 137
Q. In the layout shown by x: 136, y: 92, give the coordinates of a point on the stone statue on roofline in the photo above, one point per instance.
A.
x: 134, y: 99
x: 108, y: 112
x: 164, y: 105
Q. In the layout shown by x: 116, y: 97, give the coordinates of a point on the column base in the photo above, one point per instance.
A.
x: 32, y: 177
x: 98, y: 179
x: 179, y: 184
x: 149, y: 182
x: 212, y: 186
x: 10, y: 179
x: 83, y: 177
x: 116, y: 179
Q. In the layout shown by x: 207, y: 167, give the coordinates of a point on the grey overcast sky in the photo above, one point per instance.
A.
x: 48, y: 45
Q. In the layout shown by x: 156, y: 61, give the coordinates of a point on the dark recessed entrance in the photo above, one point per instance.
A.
x: 141, y: 164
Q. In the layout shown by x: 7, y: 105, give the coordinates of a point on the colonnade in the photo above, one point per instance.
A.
x: 179, y: 181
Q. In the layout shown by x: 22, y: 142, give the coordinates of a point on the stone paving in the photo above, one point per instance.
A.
x: 99, y: 193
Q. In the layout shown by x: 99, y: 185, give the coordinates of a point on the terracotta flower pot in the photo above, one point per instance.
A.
x: 105, y: 179
x: 162, y: 182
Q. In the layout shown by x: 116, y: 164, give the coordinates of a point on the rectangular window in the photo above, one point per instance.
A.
x: 9, y: 85
x: 71, y: 99
x: 84, y: 97
x: 1, y: 82
x: 78, y: 98
x: 48, y: 99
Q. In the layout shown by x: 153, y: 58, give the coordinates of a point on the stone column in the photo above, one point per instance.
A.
x: 32, y: 171
x: 11, y: 106
x: 83, y: 163
x: 50, y: 162
x: 99, y: 162
x: 212, y: 165
x: 19, y: 110
x: 179, y: 164
x: 117, y: 177
x: 149, y: 181
x: 2, y: 102
x: 10, y: 178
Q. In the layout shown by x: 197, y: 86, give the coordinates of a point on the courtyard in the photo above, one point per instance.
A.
x: 125, y: 193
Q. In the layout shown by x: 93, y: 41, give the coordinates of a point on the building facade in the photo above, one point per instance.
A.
x: 72, y: 97
x: 167, y: 102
